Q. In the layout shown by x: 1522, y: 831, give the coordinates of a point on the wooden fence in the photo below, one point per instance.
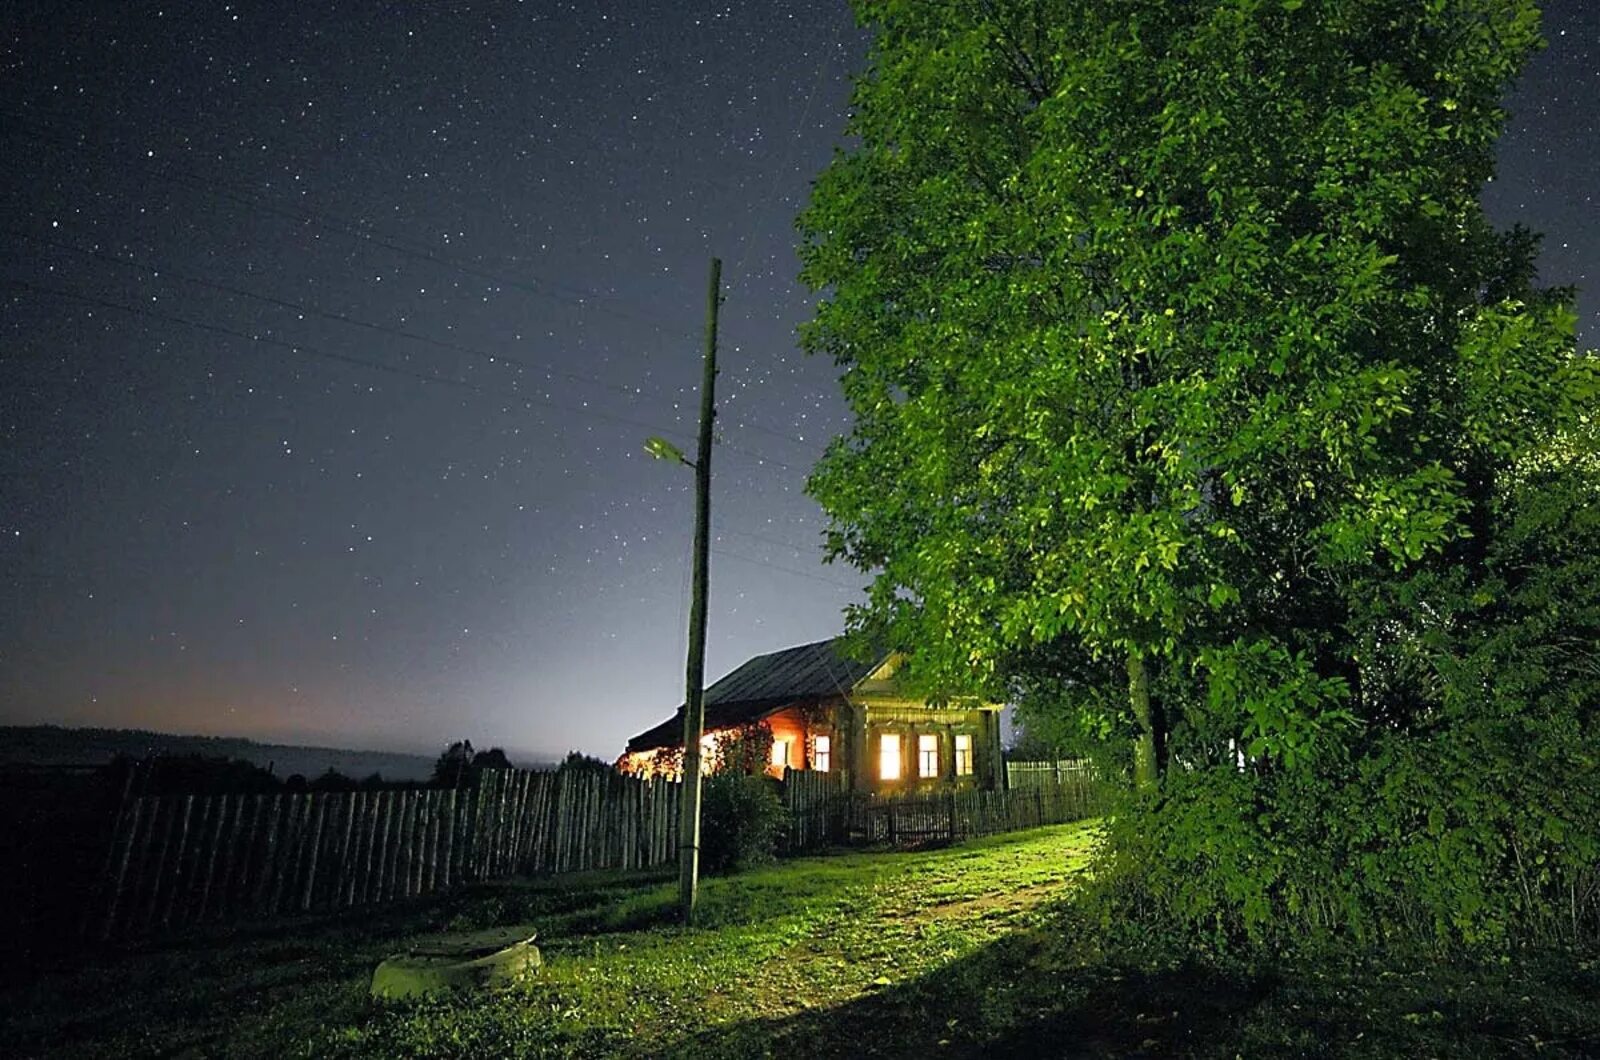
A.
x: 182, y: 859
x: 814, y: 803
x: 821, y: 812
x: 1032, y: 774
x: 188, y: 859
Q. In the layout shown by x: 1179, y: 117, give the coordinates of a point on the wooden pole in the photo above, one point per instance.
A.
x: 180, y: 878
x: 217, y: 834
x: 129, y: 832
x: 694, y: 713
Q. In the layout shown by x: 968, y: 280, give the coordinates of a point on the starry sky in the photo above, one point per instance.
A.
x: 328, y: 344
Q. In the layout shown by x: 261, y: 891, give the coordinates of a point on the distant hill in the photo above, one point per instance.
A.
x: 52, y: 745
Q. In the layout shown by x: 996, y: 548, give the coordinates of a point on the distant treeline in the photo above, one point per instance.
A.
x: 51, y: 745
x: 458, y: 766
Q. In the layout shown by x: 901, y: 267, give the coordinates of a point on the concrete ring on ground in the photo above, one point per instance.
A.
x: 480, y: 960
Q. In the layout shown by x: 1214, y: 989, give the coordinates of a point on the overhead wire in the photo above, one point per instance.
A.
x: 445, y: 344
x: 316, y: 353
x: 768, y: 540
x: 308, y: 350
x: 581, y: 298
x: 725, y: 553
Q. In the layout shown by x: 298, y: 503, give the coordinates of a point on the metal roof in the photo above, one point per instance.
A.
x: 765, y: 684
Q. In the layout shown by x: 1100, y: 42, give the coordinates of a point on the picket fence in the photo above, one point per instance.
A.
x: 822, y: 812
x: 1034, y: 774
x: 179, y: 860
x: 814, y: 802
x: 184, y: 859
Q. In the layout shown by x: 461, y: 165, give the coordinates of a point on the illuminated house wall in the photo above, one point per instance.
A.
x: 882, y: 740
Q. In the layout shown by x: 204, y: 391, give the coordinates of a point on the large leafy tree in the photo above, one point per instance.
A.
x: 1175, y: 337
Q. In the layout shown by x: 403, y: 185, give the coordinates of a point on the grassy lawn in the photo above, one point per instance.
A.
x: 956, y: 952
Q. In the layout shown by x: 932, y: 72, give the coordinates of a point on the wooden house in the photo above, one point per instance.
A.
x: 829, y: 713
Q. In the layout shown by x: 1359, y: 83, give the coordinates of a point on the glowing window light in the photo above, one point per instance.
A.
x: 780, y: 752
x: 822, y: 756
x: 928, y: 755
x: 889, y: 756
x: 963, y: 755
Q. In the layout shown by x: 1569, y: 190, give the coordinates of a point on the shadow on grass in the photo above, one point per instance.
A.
x: 1040, y: 993
x: 1014, y: 997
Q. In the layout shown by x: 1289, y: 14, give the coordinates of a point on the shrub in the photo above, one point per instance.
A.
x: 741, y: 822
x: 745, y: 749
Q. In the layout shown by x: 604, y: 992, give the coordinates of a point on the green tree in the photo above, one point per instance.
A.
x: 493, y: 758
x: 578, y: 762
x: 1159, y: 321
x: 1181, y: 354
x: 453, y: 767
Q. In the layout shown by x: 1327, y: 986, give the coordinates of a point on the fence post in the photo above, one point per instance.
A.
x: 126, y: 834
x: 180, y: 878
x: 221, y: 815
x: 320, y: 808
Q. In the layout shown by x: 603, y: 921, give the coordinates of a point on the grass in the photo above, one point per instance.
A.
x: 971, y: 950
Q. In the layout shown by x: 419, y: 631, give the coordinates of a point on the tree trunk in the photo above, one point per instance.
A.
x: 1144, y: 746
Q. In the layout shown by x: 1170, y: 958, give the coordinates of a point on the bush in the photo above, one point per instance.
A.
x: 741, y: 821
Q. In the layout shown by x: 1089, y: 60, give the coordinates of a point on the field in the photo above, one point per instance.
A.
x: 965, y: 951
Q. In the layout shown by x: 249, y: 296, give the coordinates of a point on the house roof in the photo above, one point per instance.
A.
x: 763, y: 685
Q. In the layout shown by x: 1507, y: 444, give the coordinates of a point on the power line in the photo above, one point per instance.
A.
x: 296, y: 348
x: 577, y: 297
x: 398, y: 244
x: 749, y: 426
x: 767, y: 540
x: 787, y: 570
x: 315, y: 353
x: 326, y: 314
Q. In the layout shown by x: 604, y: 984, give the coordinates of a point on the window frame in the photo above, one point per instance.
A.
x: 927, y: 755
x: 964, y: 754
x: 887, y: 740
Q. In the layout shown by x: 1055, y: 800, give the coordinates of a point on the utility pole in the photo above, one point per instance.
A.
x: 694, y: 711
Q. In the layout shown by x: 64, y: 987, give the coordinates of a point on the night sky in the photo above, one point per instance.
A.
x: 329, y: 341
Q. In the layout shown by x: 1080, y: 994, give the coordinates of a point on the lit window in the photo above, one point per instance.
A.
x: 780, y: 753
x: 963, y: 755
x: 928, y: 755
x: 889, y: 756
x: 820, y: 758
